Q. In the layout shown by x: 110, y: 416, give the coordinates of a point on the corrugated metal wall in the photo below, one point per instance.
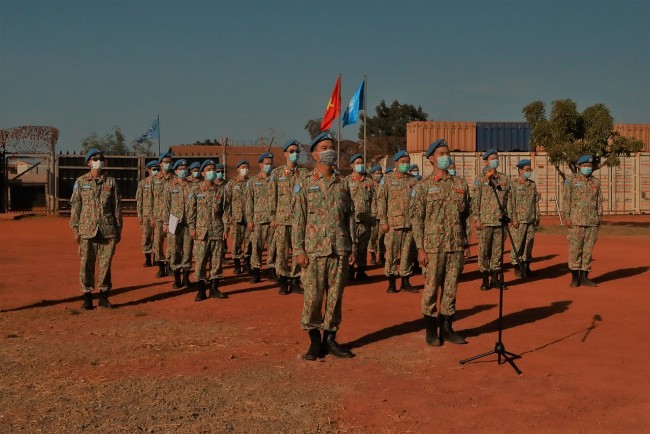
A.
x: 502, y: 136
x: 461, y: 136
x: 638, y: 131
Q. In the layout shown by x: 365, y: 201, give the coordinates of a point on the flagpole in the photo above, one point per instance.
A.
x: 159, y: 134
x: 365, y: 103
x: 338, y: 145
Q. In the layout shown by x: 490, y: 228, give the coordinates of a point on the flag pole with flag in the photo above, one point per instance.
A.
x: 333, y: 111
x: 351, y: 115
x: 152, y: 133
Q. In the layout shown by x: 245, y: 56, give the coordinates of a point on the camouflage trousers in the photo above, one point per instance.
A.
x: 208, y: 252
x: 240, y: 240
x: 490, y: 248
x: 376, y: 244
x: 284, y: 253
x: 363, y: 239
x: 273, y: 250
x: 398, y: 252
x: 324, y: 278
x: 179, y: 246
x: 262, y: 237
x: 581, y: 244
x: 159, y: 237
x: 524, y: 236
x: 96, y: 250
x: 146, y: 232
x: 443, y: 270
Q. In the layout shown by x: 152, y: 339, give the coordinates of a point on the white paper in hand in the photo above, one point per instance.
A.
x: 173, y: 222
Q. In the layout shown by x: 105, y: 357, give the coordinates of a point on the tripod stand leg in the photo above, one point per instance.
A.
x: 509, y: 360
x: 462, y: 362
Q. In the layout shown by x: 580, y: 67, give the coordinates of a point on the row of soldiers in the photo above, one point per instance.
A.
x: 322, y: 225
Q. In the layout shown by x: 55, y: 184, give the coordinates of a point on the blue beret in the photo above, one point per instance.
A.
x: 435, y: 145
x: 388, y: 170
x: 522, y: 163
x: 400, y: 154
x: 151, y: 164
x: 91, y: 152
x: 289, y: 143
x: 413, y: 167
x: 263, y: 156
x: 181, y: 162
x: 240, y: 163
x: 207, y: 163
x: 219, y: 166
x: 584, y: 159
x: 373, y: 169
x: 165, y: 155
x: 195, y: 165
x: 319, y: 138
x: 354, y: 157
x: 488, y: 153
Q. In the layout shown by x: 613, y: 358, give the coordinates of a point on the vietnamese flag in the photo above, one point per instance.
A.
x: 333, y: 106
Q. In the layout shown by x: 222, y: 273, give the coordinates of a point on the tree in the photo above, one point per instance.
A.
x: 567, y: 134
x: 313, y: 127
x: 142, y: 148
x: 113, y: 143
x: 387, y: 129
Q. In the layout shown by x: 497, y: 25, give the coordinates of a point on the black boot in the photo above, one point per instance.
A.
x: 103, y: 300
x: 584, y: 279
x: 431, y: 327
x: 517, y: 270
x: 575, y: 278
x: 88, y: 301
x: 247, y: 265
x: 200, y: 291
x: 361, y: 275
x: 168, y: 269
x: 373, y: 258
x: 272, y: 275
x: 332, y: 347
x: 161, y: 269
x: 256, y: 276
x: 284, y: 286
x: 214, y: 290
x: 496, y: 280
x: 392, y: 288
x: 147, y: 260
x: 447, y: 333
x: 314, y: 345
x: 485, y: 284
x: 382, y: 258
x: 237, y: 269
x: 295, y: 287
x: 406, y: 286
x: 351, y: 273
x: 186, y: 279
x: 177, y: 279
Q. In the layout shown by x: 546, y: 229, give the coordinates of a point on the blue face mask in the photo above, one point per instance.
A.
x: 219, y: 175
x: 452, y: 172
x: 166, y: 166
x: 211, y: 175
x: 293, y: 157
x: 493, y: 164
x: 586, y: 170
x: 182, y: 173
x: 195, y: 174
x: 443, y: 162
x: 527, y: 174
x: 359, y: 168
x: 267, y: 168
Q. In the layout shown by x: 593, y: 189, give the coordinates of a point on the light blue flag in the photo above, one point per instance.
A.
x: 351, y: 114
x: 152, y: 133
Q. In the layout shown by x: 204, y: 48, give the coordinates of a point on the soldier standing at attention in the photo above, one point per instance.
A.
x: 176, y: 202
x: 324, y: 246
x: 195, y: 173
x: 283, y: 180
x: 96, y: 222
x: 582, y: 209
x: 159, y: 182
x: 144, y: 207
x: 209, y: 218
x: 240, y: 235
x: 523, y: 209
x: 438, y: 207
x: 260, y: 211
x: 487, y: 219
x: 376, y: 245
x: 394, y: 208
x: 362, y: 191
x: 467, y: 226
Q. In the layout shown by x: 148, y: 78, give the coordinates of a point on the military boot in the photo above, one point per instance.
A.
x: 186, y: 279
x: 496, y: 280
x: 200, y: 291
x: 517, y: 270
x: 237, y: 269
x: 332, y: 347
x: 284, y: 285
x: 161, y: 269
x: 485, y: 284
x: 447, y: 333
x: 147, y: 260
x: 247, y: 265
x: 88, y: 301
x: 575, y: 278
x: 406, y: 286
x: 361, y: 275
x: 295, y: 286
x: 392, y: 288
x: 256, y: 276
x: 214, y: 290
x: 373, y: 258
x: 168, y: 268
x: 584, y: 279
x: 351, y: 273
x: 103, y: 300
x: 272, y: 275
x: 431, y: 327
x: 382, y: 258
x: 315, y: 345
x: 177, y: 279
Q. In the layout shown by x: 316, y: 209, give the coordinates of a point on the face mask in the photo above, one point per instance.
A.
x: 182, y: 173
x: 97, y: 165
x: 293, y: 157
x: 404, y: 168
x: 452, y: 172
x: 327, y: 157
x: 493, y: 164
x: 586, y: 170
x: 377, y: 177
x: 243, y: 172
x: 359, y: 168
x: 219, y: 175
x: 443, y: 162
x: 195, y: 174
x: 210, y: 175
x: 527, y: 175
x: 267, y: 168
x: 155, y: 172
x: 415, y: 173
x: 165, y: 166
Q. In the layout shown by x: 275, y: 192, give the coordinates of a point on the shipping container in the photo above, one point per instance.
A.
x: 637, y: 131
x: 503, y: 136
x: 623, y: 189
x: 461, y: 136
x: 643, y: 182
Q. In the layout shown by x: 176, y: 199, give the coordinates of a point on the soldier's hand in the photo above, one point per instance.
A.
x: 467, y: 253
x: 383, y: 228
x: 302, y: 260
x: 567, y: 222
x: 536, y: 223
x: 274, y: 224
x: 76, y: 237
x: 251, y: 226
x: 165, y: 228
x: 352, y: 259
x: 478, y: 226
x: 423, y: 258
x: 225, y: 235
x: 515, y: 224
x: 152, y: 222
x: 193, y: 233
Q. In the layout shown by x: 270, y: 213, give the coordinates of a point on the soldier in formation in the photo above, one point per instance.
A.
x: 238, y: 227
x: 376, y: 245
x: 523, y: 210
x: 362, y: 189
x: 144, y: 209
x: 159, y: 183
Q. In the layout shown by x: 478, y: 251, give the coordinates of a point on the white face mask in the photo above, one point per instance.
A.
x: 243, y: 171
x: 97, y: 165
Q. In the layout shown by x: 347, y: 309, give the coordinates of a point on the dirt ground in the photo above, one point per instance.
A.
x: 162, y: 363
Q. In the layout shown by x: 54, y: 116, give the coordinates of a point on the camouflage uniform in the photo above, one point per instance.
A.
x: 96, y: 216
x: 144, y: 206
x: 362, y: 189
x: 582, y: 203
x: 284, y: 180
x: 238, y: 231
x: 260, y: 210
x: 438, y: 209
x: 394, y: 209
x: 158, y: 182
x: 376, y: 244
x: 523, y: 207
x: 323, y: 229
x: 208, y: 213
x: 175, y: 203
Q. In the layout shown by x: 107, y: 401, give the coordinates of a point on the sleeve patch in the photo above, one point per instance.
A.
x: 76, y: 185
x: 296, y: 188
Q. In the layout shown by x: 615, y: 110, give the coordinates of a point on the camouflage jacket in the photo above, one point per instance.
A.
x: 523, y: 203
x: 158, y: 182
x: 176, y: 200
x: 582, y: 200
x: 260, y: 201
x: 208, y: 211
x: 439, y: 207
x: 96, y: 207
x: 394, y: 204
x: 375, y: 200
x: 283, y: 180
x: 237, y: 191
x: 323, y: 216
x: 362, y: 189
x: 484, y: 205
x: 144, y: 198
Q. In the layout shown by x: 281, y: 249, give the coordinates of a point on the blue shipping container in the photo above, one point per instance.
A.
x: 503, y: 136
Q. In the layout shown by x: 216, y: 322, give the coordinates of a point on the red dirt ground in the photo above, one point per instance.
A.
x: 162, y: 363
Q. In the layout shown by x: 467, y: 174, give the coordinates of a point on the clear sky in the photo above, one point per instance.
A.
x: 247, y: 69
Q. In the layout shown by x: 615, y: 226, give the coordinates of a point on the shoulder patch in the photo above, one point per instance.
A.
x: 381, y: 182
x: 476, y: 181
x: 76, y: 185
x: 296, y: 188
x: 412, y: 194
x: 567, y: 182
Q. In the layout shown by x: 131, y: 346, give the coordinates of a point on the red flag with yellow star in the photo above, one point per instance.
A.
x: 333, y: 107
